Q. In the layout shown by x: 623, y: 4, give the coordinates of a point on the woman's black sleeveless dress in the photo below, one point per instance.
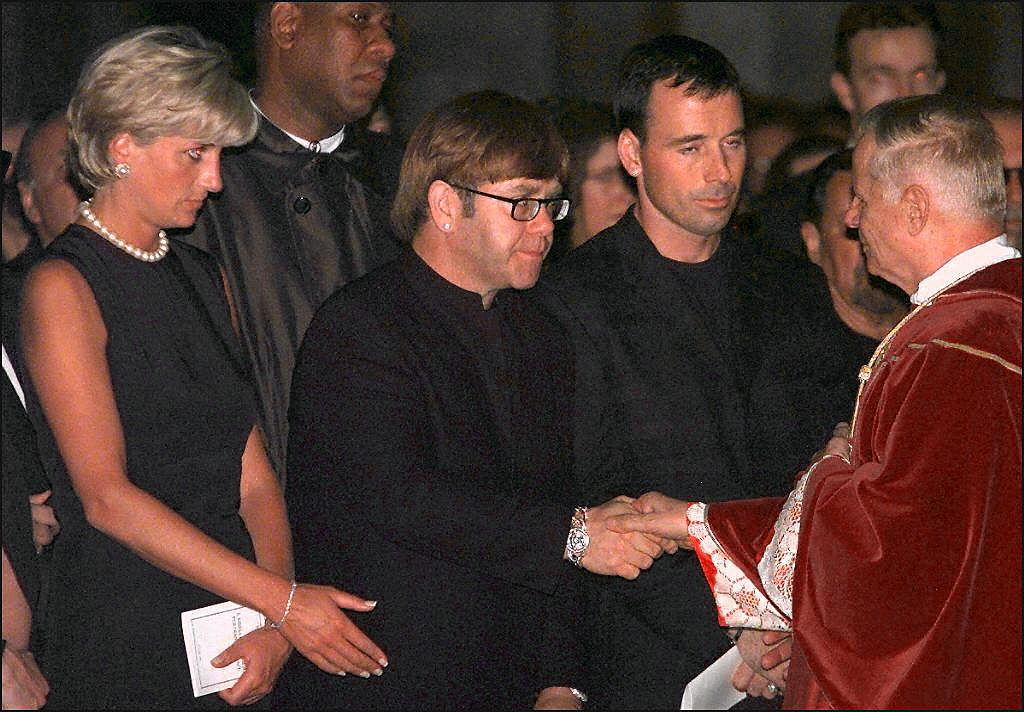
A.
x: 185, y: 400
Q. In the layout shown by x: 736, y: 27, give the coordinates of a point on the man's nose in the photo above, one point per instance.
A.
x: 906, y: 86
x: 542, y: 221
x: 381, y: 45
x: 716, y: 167
x: 1013, y: 187
x: 852, y: 216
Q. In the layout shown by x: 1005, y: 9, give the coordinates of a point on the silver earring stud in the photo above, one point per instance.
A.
x: 447, y: 226
x: 122, y: 170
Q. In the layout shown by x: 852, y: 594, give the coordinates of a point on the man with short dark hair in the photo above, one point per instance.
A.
x: 836, y: 314
x: 304, y: 207
x: 840, y: 313
x: 885, y: 51
x: 670, y: 322
x: 881, y: 51
x: 431, y: 448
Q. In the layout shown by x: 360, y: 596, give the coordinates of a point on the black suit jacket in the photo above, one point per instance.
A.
x: 682, y: 394
x: 430, y: 464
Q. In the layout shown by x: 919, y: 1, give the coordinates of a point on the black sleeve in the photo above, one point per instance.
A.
x: 363, y: 436
x: 602, y: 453
x: 22, y: 476
x: 560, y: 650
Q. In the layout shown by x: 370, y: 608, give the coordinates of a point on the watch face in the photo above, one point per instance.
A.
x: 579, y: 540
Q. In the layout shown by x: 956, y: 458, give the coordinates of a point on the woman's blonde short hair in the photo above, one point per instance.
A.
x: 152, y: 83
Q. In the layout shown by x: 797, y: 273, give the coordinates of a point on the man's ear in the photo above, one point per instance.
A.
x: 940, y: 81
x: 445, y: 206
x: 628, y: 148
x: 812, y: 241
x: 915, y: 204
x: 28, y: 204
x: 284, y: 22
x: 843, y: 90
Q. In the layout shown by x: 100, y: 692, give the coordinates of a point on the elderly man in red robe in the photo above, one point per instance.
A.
x: 896, y: 559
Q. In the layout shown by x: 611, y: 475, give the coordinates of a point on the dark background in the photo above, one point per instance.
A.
x: 530, y: 49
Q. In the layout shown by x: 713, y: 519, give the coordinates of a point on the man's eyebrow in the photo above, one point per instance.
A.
x: 527, y: 187
x: 881, y: 67
x: 691, y: 138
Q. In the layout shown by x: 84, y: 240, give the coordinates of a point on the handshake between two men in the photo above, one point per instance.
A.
x: 625, y: 535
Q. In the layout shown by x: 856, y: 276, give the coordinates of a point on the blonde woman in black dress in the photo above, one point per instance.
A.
x: 166, y: 496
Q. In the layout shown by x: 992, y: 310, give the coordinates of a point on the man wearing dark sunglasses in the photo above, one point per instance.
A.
x: 431, y: 452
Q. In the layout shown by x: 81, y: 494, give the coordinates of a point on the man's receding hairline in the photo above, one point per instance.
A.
x: 932, y: 39
x: 704, y: 95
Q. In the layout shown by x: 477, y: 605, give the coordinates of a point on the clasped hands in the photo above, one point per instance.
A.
x: 618, y: 551
x: 656, y: 520
x: 627, y: 534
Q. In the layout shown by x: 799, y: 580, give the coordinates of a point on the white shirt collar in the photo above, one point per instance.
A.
x: 12, y: 376
x: 968, y: 262
x: 324, y: 145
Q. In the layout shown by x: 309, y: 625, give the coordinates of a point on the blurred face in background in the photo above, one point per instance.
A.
x: 604, y: 194
x: 47, y: 198
x: 836, y: 249
x: 888, y: 64
x: 1008, y: 129
x: 15, y: 236
x: 764, y: 144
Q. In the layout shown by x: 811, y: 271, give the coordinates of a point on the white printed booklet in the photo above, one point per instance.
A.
x: 210, y: 631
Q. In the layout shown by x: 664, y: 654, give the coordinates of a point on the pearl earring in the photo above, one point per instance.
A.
x: 447, y: 226
x: 122, y: 170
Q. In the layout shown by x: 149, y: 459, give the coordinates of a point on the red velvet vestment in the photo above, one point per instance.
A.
x: 906, y: 590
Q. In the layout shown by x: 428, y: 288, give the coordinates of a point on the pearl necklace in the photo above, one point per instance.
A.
x: 110, y: 236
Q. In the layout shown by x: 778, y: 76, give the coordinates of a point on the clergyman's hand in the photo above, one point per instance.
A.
x: 656, y: 515
x: 614, y: 553
x: 838, y: 444
x: 777, y: 654
x: 765, y: 662
x: 746, y: 680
